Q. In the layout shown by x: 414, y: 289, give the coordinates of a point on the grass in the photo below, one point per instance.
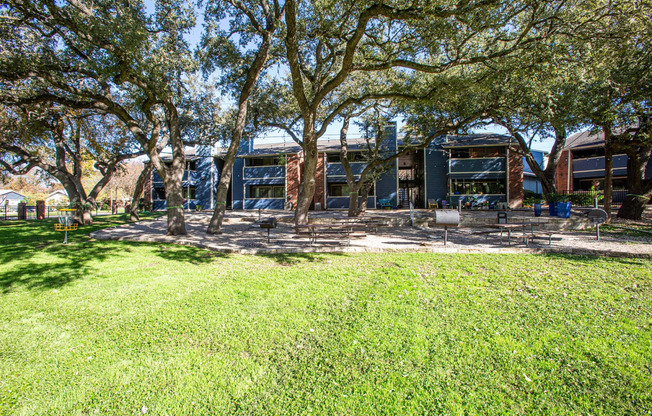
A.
x: 126, y: 328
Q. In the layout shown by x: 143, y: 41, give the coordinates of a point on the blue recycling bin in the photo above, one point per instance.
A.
x: 537, y: 210
x: 563, y: 209
x: 552, y: 209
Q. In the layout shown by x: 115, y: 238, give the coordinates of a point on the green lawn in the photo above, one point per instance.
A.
x: 125, y: 328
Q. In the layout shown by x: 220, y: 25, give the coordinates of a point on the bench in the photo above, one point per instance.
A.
x: 330, y: 232
x: 370, y: 225
x: 385, y: 203
x: 529, y: 237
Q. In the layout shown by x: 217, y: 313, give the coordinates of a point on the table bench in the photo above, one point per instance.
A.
x: 316, y: 232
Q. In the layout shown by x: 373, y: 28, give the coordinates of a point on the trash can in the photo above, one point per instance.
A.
x: 537, y: 210
x: 502, y: 217
x: 563, y: 209
x: 552, y: 209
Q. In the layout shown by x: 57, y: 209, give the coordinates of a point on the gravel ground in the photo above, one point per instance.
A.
x: 242, y: 235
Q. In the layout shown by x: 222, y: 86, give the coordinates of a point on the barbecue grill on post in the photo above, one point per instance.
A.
x: 268, y: 224
x: 446, y: 218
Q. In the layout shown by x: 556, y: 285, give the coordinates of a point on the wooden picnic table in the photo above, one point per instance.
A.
x: 330, y: 231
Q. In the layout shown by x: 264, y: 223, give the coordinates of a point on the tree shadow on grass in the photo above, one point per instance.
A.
x: 22, y: 241
x: 291, y: 259
x: 589, y: 259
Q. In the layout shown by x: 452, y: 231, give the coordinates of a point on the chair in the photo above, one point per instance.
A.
x: 385, y: 203
x: 432, y: 204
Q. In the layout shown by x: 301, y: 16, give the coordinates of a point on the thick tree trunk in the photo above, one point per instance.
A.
x: 138, y: 191
x: 174, y: 199
x: 364, y: 199
x: 354, y: 209
x: 608, y: 169
x: 639, y: 189
x: 308, y: 182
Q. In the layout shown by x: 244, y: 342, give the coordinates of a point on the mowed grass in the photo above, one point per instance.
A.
x: 125, y: 328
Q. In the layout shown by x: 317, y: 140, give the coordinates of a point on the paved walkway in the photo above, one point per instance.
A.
x: 242, y: 235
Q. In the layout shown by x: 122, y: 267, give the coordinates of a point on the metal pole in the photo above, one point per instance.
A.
x: 597, y: 230
x: 445, y: 235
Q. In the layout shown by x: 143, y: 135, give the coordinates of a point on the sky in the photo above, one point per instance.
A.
x: 279, y: 136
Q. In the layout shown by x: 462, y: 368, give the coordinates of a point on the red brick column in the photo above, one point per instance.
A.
x: 40, y: 210
x: 292, y: 173
x: 22, y: 211
x: 563, y: 181
x: 515, y: 178
x: 320, y: 175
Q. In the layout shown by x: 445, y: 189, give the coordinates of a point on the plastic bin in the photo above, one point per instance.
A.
x: 537, y: 210
x: 563, y: 209
x: 552, y: 209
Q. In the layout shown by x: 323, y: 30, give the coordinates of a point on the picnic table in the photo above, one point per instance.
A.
x: 526, y: 228
x: 331, y: 231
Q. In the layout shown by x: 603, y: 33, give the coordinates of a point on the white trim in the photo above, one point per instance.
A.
x: 449, y: 194
x: 264, y: 166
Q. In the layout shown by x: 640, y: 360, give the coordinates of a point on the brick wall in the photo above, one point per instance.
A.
x: 293, y: 169
x: 562, y: 180
x: 515, y: 179
x: 319, y: 181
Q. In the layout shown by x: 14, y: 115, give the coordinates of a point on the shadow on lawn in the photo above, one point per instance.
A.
x: 291, y: 259
x: 594, y: 259
x: 22, y: 240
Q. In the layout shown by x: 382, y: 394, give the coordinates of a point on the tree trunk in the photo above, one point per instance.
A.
x: 138, y: 191
x: 308, y: 182
x: 174, y: 199
x: 354, y: 209
x: 364, y: 199
x: 639, y: 189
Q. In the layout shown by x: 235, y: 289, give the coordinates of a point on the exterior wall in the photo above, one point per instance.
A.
x: 342, y: 202
x: 532, y: 184
x: 387, y: 184
x: 238, y: 184
x: 515, y: 179
x: 563, y: 182
x: 293, y: 169
x: 436, y: 167
x: 203, y: 189
x: 593, y: 167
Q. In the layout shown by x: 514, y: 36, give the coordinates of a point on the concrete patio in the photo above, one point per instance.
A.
x: 241, y: 234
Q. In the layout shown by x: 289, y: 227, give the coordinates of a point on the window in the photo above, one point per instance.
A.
x: 191, y: 165
x: 263, y: 161
x: 159, y: 194
x: 189, y: 193
x: 475, y: 186
x: 266, y: 191
x: 342, y: 189
x: 489, y: 151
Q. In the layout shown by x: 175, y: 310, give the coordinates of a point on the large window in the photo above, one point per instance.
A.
x: 342, y: 189
x: 476, y: 152
x: 475, y: 186
x: 263, y: 161
x: 266, y: 191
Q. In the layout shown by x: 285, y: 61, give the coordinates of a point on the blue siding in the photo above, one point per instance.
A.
x: 237, y: 187
x: 465, y: 166
x: 538, y: 156
x: 594, y: 167
x: 436, y: 173
x: 264, y: 203
x: 386, y: 185
x: 264, y: 172
x: 532, y: 184
x: 336, y: 169
x: 203, y: 186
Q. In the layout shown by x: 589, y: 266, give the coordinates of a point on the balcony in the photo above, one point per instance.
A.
x: 264, y: 172
x: 194, y: 177
x: 593, y: 167
x: 336, y: 169
x: 490, y: 167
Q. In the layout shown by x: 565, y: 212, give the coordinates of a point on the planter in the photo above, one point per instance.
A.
x: 537, y: 210
x: 563, y: 209
x: 552, y: 209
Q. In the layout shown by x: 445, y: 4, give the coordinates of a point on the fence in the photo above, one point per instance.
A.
x: 11, y: 212
x: 587, y: 198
